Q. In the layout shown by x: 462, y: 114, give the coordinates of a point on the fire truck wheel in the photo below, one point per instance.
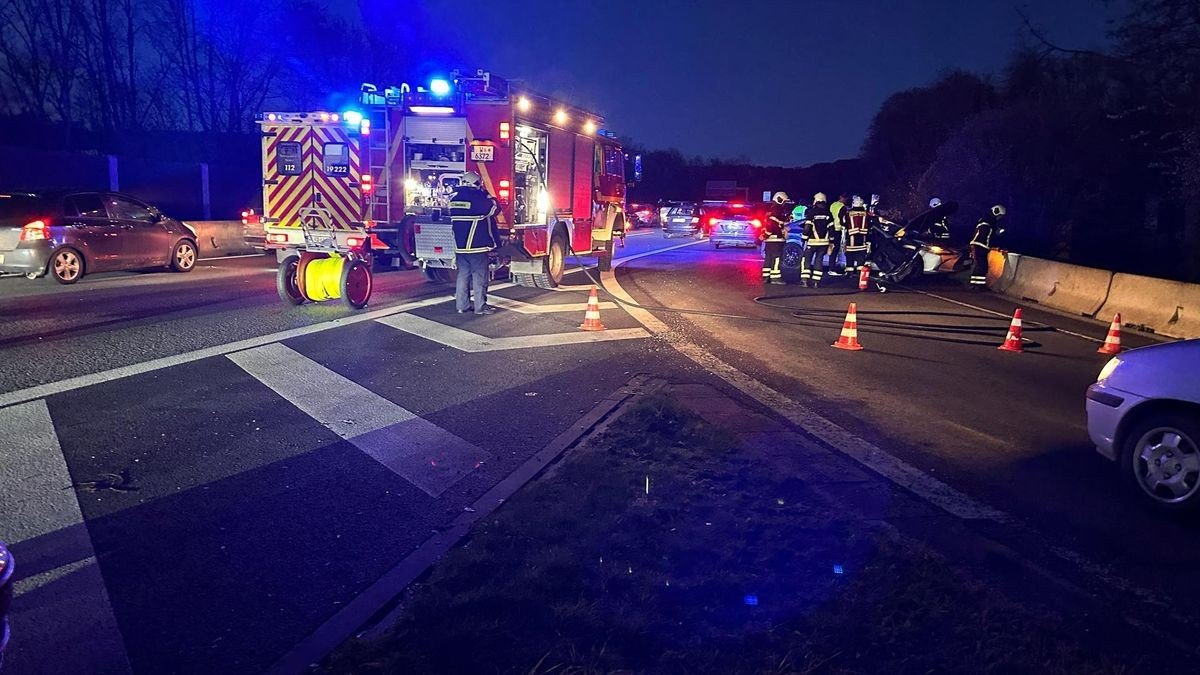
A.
x: 604, y: 260
x: 356, y: 284
x: 556, y: 263
x: 285, y: 281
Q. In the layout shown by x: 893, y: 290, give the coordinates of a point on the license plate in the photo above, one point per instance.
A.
x: 679, y: 220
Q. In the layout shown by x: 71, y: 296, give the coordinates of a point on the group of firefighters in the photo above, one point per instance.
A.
x: 852, y: 219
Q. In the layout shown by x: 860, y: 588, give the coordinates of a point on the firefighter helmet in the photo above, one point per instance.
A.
x: 857, y: 202
x: 874, y: 200
x: 819, y: 197
x: 935, y: 202
x: 470, y: 179
x: 799, y: 211
x: 780, y: 197
x: 999, y: 211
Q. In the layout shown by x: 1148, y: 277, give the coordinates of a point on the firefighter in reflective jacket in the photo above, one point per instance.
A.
x: 774, y: 234
x: 818, y: 228
x: 981, y: 244
x: 857, y: 228
x: 473, y: 219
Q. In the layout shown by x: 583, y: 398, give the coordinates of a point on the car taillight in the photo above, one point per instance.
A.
x: 712, y: 221
x: 36, y: 230
x: 756, y: 223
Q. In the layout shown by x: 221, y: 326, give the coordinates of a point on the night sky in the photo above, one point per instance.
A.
x: 786, y: 83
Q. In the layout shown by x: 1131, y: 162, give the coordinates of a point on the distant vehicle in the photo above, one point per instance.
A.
x: 70, y: 234
x: 682, y: 220
x: 733, y: 224
x: 641, y: 215
x: 1144, y: 413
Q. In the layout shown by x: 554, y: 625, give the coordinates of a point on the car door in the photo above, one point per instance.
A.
x: 144, y: 240
x: 90, y: 230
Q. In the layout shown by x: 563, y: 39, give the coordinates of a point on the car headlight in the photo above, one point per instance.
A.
x: 1108, y: 369
x: 936, y: 250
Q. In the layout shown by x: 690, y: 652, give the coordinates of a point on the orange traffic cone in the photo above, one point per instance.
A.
x: 863, y: 277
x: 849, y: 337
x: 1112, y: 343
x: 1012, y: 341
x: 591, y: 318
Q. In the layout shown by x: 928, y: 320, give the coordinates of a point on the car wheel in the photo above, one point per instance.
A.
x: 1161, y: 457
x: 791, y: 256
x: 183, y: 258
x: 66, y: 266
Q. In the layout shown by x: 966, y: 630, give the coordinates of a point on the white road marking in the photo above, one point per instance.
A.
x: 467, y: 341
x: 44, y: 390
x: 231, y: 257
x: 42, y: 521
x: 1007, y: 316
x: 423, y: 453
x: 530, y: 308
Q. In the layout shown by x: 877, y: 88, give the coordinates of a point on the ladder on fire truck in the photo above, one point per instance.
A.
x: 379, y: 141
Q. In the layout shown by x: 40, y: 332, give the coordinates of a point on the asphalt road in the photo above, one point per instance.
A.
x: 199, y: 476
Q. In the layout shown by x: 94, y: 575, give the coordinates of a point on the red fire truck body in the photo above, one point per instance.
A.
x: 558, y: 176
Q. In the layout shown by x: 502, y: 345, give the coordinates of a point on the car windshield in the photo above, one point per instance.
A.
x: 21, y: 207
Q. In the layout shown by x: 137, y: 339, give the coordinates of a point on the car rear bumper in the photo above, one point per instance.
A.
x: 25, y: 259
x: 1106, y: 407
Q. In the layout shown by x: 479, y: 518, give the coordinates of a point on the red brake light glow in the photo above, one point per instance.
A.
x: 364, y: 183
x: 737, y: 205
x: 756, y: 223
x: 36, y: 230
x: 712, y: 221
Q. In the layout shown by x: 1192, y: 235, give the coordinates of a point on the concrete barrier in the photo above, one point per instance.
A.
x: 1002, y: 268
x: 1068, y: 288
x: 220, y: 237
x: 1170, y: 308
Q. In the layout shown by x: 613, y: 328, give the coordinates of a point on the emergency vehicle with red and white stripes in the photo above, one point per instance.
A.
x: 383, y: 172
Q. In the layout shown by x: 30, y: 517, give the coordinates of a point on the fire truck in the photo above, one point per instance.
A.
x: 382, y: 174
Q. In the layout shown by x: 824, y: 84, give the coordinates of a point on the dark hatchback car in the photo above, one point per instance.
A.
x: 69, y: 234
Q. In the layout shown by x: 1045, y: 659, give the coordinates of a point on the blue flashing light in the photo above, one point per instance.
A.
x: 750, y: 600
x: 838, y: 569
x: 439, y: 87
x: 352, y: 117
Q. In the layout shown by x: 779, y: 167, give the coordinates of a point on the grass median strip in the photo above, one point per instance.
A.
x: 664, y: 545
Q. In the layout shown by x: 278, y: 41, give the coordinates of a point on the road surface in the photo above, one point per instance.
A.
x: 199, y: 476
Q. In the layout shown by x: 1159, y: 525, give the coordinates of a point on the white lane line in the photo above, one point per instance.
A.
x: 416, y: 449
x: 866, y: 453
x: 466, y: 341
x: 44, y: 390
x: 238, y: 255
x: 42, y: 520
x: 51, y: 388
x: 530, y: 308
x: 1006, y: 316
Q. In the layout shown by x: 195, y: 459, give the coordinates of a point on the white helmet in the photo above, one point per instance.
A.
x: 934, y: 203
x: 819, y: 197
x: 999, y: 211
x: 470, y: 179
x: 857, y: 202
x: 780, y: 197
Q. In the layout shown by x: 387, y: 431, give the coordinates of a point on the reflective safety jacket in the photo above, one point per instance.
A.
x: 838, y: 211
x: 984, y: 232
x: 473, y: 219
x: 819, y: 225
x: 778, y: 217
x: 857, y: 228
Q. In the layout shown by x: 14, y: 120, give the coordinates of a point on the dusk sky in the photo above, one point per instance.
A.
x: 787, y: 83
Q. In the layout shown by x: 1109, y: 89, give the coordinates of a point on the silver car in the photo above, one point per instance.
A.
x: 69, y: 234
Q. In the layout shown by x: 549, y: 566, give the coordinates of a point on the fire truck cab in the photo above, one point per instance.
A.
x: 558, y: 176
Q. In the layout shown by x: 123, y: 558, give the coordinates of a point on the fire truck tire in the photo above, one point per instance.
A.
x: 356, y: 284
x: 604, y: 259
x: 286, y: 283
x: 407, y: 240
x: 556, y: 262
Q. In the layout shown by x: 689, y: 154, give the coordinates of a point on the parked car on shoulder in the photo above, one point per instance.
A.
x: 641, y: 215
x: 1143, y: 413
x: 70, y: 234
